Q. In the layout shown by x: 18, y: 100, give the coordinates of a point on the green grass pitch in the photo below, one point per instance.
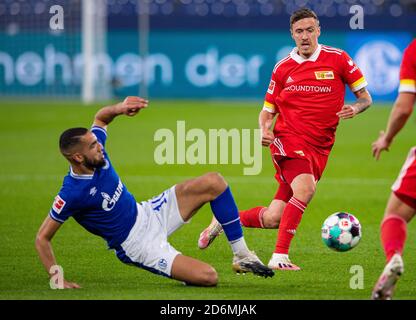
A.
x: 31, y: 172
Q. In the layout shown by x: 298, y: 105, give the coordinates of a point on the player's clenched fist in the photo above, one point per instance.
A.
x: 132, y: 105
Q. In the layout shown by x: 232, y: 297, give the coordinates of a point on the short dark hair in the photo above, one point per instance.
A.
x: 302, y: 14
x: 70, y: 138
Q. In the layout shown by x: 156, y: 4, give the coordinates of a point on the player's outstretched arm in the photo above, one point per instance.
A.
x: 400, y: 113
x: 129, y: 107
x: 44, y: 248
x: 363, y: 102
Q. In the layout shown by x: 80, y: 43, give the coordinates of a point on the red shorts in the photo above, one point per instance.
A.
x: 405, y: 186
x: 291, y: 157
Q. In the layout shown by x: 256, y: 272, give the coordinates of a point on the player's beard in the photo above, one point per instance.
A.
x: 94, y: 164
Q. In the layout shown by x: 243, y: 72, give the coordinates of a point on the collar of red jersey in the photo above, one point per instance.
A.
x: 295, y: 56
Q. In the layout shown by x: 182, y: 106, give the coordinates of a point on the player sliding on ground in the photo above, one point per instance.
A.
x: 306, y: 93
x: 93, y: 194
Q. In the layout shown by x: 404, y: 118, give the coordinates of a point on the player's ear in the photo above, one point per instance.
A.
x: 77, y: 157
x: 291, y: 33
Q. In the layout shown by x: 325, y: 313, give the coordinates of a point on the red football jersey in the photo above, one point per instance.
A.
x: 408, y: 69
x: 307, y: 94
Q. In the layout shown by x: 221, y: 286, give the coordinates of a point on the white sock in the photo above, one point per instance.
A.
x: 280, y: 255
x: 239, y: 245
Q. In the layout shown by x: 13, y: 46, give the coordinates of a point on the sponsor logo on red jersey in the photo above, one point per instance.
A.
x: 353, y: 69
x: 302, y: 88
x: 58, y: 204
x: 324, y: 75
x: 289, y: 80
x: 271, y: 87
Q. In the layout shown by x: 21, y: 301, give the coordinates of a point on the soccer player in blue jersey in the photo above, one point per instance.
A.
x: 94, y: 195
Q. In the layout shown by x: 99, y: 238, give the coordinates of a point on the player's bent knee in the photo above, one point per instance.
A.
x: 215, y: 183
x: 271, y: 223
x: 193, y: 271
x: 271, y: 219
x: 305, y: 192
x: 207, y: 277
x: 210, y: 277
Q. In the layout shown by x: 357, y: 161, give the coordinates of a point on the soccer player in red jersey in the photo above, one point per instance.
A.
x: 306, y: 93
x: 401, y: 206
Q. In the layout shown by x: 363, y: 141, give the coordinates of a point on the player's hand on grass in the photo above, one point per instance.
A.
x: 347, y: 112
x: 132, y: 105
x: 380, y: 145
x: 64, y: 285
x: 267, y: 137
x: 71, y: 285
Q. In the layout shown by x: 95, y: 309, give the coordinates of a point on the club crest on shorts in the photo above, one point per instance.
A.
x: 163, y: 264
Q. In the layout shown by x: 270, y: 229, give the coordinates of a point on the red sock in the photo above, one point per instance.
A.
x: 252, y: 218
x: 393, y: 235
x: 292, y: 215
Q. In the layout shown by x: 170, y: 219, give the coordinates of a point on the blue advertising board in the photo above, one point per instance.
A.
x: 379, y: 56
x: 191, y: 64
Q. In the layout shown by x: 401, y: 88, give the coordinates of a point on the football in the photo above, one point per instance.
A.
x: 341, y: 231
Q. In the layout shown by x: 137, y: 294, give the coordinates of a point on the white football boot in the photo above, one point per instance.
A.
x: 386, y: 283
x: 247, y: 261
x: 282, y: 262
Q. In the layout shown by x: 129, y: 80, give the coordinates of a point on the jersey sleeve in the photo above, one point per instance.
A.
x: 100, y: 133
x: 351, y: 74
x: 273, y: 91
x: 408, y: 69
x: 62, y: 207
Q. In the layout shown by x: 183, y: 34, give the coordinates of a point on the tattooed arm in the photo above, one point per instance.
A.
x: 363, y: 103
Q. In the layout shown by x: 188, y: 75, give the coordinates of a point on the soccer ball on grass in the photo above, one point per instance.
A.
x: 341, y: 231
